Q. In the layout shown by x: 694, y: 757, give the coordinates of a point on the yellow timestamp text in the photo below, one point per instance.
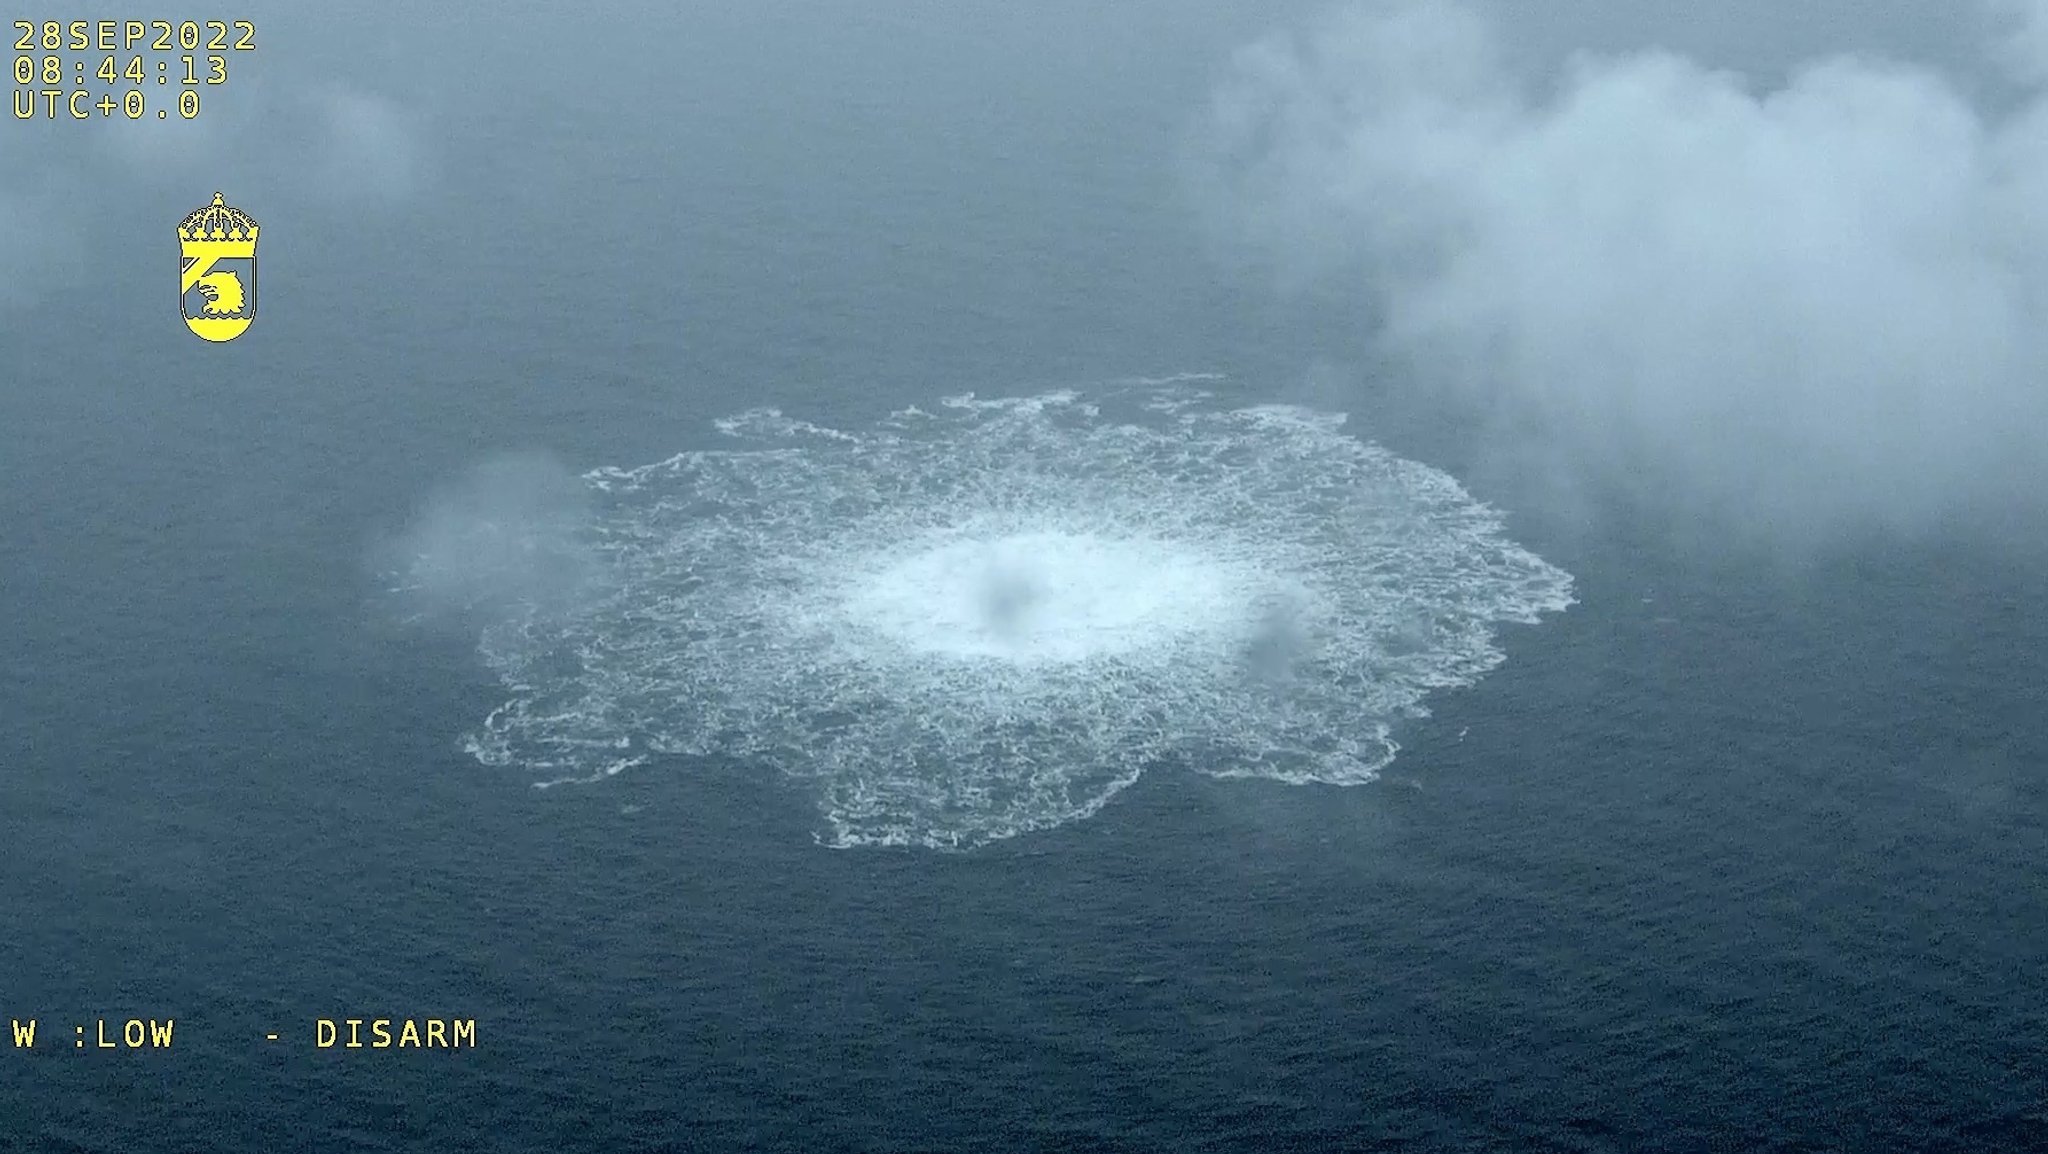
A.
x: 76, y: 69
x: 125, y: 35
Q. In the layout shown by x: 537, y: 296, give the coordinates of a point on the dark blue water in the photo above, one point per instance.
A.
x: 1741, y: 853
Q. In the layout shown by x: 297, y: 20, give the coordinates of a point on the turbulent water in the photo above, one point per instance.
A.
x: 989, y: 616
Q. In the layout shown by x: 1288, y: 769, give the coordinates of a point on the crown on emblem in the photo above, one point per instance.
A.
x: 218, y: 221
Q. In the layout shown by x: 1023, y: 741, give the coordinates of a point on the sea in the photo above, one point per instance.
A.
x: 1739, y: 850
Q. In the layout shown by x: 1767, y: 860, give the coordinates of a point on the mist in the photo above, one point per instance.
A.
x: 509, y: 534
x: 1811, y: 309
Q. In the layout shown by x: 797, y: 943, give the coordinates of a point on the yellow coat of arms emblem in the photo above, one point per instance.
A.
x: 217, y: 271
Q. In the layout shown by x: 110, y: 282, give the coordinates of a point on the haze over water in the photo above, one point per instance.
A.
x: 1739, y: 850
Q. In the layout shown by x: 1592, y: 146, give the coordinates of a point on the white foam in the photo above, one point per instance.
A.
x: 989, y: 617
x: 1041, y: 596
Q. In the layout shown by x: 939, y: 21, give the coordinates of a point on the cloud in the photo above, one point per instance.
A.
x: 40, y: 248
x: 368, y: 143
x: 1817, y: 307
x: 2025, y: 49
x: 326, y: 140
x: 314, y: 146
x: 508, y: 533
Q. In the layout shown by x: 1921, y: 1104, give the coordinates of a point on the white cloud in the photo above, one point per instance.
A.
x: 328, y: 147
x: 40, y: 249
x: 327, y: 141
x: 1818, y: 305
x: 2025, y: 51
x: 369, y: 145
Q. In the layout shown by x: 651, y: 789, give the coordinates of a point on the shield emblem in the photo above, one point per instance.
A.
x: 217, y: 271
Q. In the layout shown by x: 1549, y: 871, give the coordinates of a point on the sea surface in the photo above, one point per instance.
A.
x: 1742, y: 851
